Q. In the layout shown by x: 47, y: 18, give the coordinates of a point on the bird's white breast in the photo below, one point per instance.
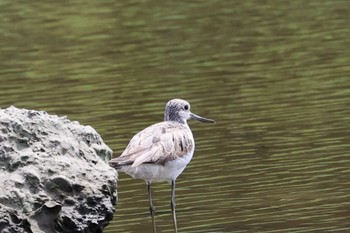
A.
x: 158, y: 172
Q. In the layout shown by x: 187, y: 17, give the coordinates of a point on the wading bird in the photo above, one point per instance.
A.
x: 161, y: 151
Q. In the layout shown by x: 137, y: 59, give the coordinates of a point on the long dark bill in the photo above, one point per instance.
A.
x: 201, y: 119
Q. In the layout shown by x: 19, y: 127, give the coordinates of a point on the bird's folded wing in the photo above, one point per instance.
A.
x: 158, y: 145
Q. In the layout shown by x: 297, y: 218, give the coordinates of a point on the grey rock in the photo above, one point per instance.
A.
x: 54, y: 175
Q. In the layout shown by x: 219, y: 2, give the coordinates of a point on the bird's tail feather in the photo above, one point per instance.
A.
x: 118, y: 164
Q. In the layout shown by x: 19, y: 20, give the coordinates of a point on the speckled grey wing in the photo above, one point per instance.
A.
x: 158, y: 144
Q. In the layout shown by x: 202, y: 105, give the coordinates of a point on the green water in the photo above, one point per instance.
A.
x: 275, y: 75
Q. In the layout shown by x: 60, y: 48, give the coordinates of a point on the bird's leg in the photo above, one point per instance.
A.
x: 152, y: 210
x: 173, y: 205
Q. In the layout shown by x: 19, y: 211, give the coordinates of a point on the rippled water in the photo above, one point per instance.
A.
x: 273, y: 74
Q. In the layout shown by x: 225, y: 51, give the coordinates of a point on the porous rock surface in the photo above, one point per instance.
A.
x: 54, y: 175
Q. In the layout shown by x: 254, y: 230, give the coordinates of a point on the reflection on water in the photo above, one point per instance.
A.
x: 274, y: 75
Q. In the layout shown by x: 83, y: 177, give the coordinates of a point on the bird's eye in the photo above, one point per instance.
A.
x: 186, y: 107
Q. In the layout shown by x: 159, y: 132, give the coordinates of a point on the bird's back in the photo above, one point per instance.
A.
x: 157, y: 144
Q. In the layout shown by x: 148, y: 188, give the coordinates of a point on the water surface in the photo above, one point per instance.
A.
x: 273, y: 74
